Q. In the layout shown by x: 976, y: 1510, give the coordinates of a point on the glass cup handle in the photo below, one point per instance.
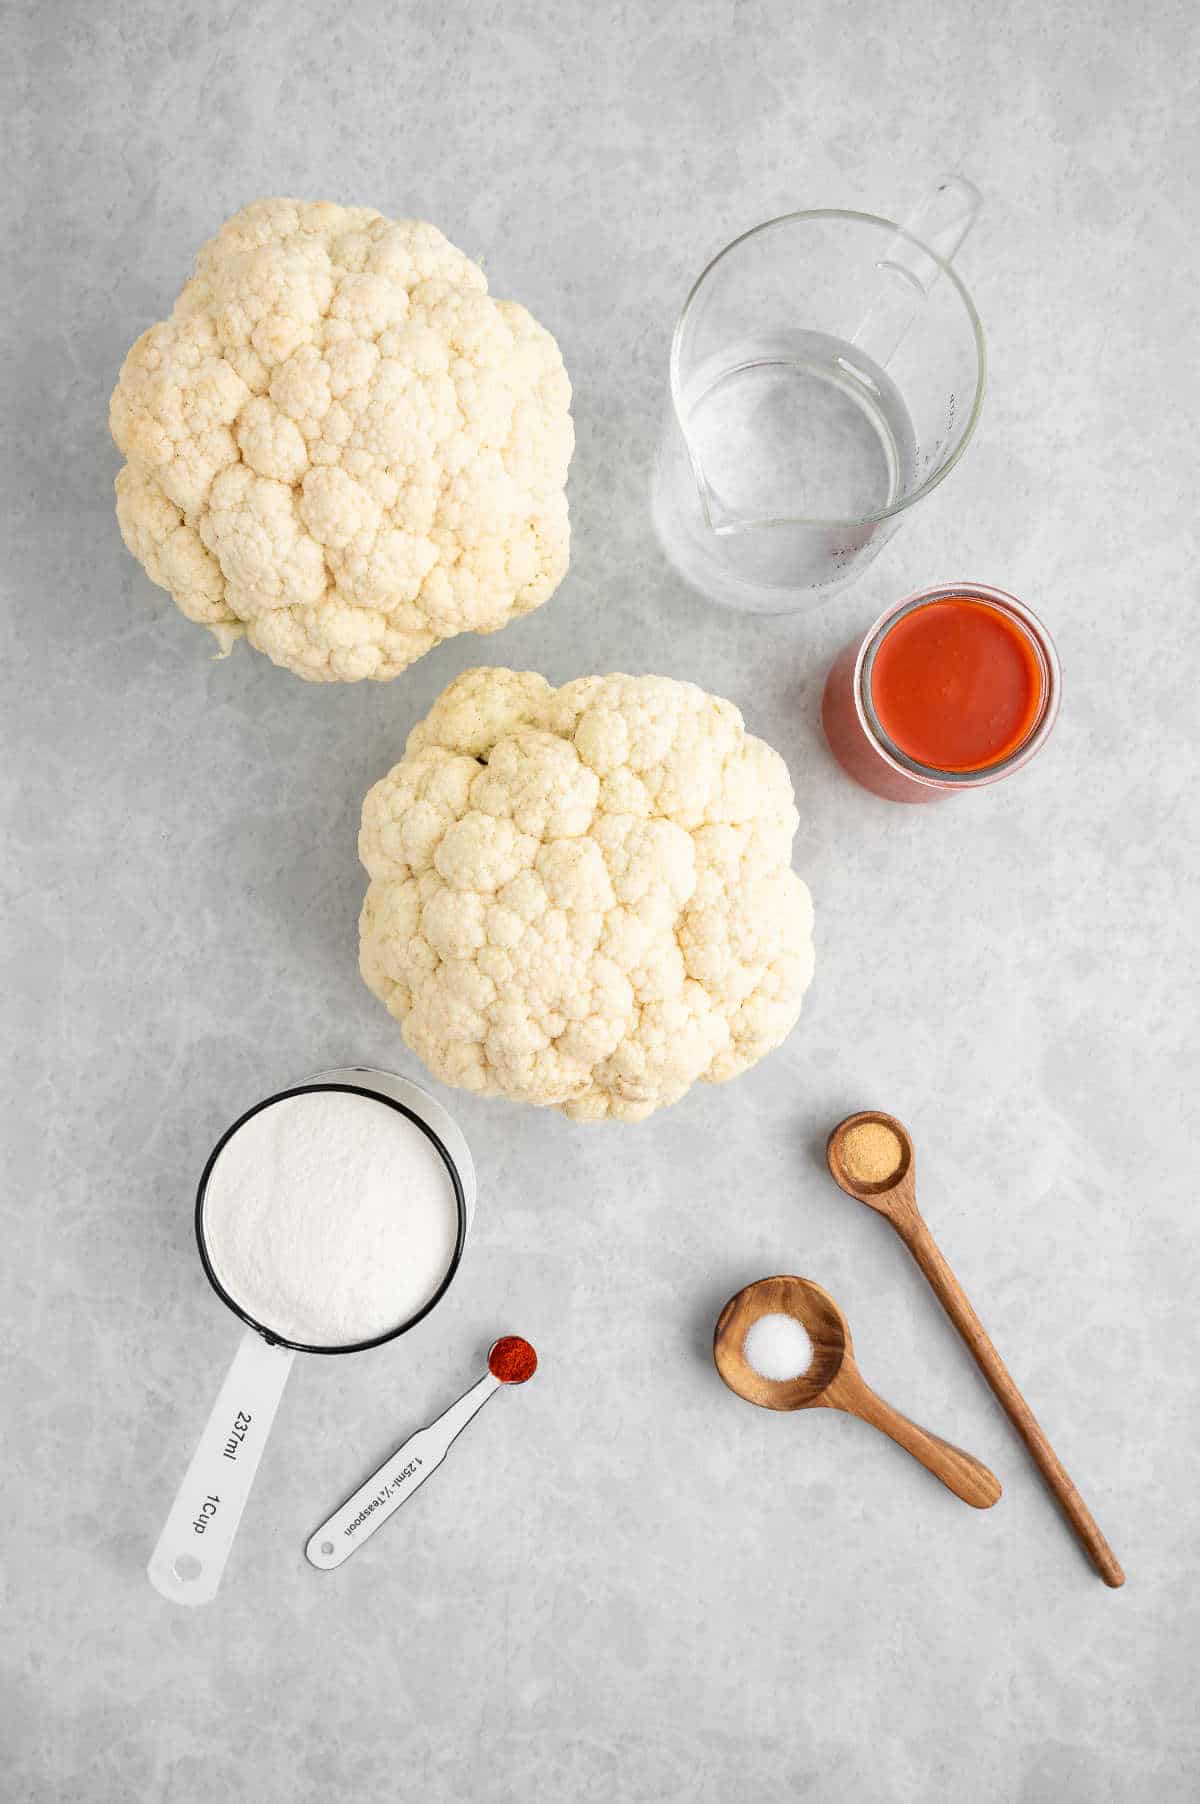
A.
x: 907, y: 271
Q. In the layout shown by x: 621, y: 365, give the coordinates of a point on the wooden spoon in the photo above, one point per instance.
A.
x: 832, y: 1380
x: 860, y: 1168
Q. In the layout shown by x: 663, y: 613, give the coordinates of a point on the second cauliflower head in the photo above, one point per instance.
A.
x: 583, y: 897
x: 340, y: 446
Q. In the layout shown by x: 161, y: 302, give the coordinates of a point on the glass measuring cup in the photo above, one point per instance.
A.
x: 191, y: 1553
x: 827, y: 372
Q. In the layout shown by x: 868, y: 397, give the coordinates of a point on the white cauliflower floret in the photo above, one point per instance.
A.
x: 341, y: 447
x: 583, y: 897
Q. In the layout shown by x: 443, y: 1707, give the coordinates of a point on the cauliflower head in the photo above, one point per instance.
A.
x: 340, y: 446
x: 583, y: 897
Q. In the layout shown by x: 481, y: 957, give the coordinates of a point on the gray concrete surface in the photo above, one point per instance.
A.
x: 624, y: 1585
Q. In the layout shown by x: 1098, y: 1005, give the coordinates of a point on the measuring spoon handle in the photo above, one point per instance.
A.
x: 951, y: 1296
x: 960, y: 1472
x: 395, y: 1481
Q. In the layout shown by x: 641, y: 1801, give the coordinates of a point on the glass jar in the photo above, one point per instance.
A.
x: 860, y: 743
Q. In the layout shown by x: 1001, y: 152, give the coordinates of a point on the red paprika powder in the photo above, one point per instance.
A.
x: 512, y: 1360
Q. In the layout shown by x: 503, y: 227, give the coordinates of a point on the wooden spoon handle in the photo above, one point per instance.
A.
x: 960, y: 1472
x: 950, y: 1295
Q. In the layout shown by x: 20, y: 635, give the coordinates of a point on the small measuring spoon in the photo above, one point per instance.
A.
x: 833, y: 1381
x: 892, y: 1193
x: 511, y: 1360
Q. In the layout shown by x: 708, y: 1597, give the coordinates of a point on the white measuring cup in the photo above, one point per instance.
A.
x: 191, y: 1553
x: 827, y: 372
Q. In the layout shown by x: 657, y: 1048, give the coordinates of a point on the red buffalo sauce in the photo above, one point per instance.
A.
x: 957, y: 684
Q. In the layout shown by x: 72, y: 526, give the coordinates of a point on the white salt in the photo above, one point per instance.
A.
x: 777, y: 1347
x: 330, y: 1218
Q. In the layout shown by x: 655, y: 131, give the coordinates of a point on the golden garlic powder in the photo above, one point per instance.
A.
x: 871, y: 1152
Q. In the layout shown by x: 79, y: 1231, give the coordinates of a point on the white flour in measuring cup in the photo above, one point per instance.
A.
x: 330, y: 1218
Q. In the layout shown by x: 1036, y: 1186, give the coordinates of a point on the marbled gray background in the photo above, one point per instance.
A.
x: 625, y: 1585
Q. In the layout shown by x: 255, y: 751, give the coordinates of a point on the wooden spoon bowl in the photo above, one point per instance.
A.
x: 823, y: 1322
x: 891, y: 1193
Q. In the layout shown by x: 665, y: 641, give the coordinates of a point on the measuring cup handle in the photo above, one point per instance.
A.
x: 942, y: 221
x: 907, y: 271
x: 195, y: 1543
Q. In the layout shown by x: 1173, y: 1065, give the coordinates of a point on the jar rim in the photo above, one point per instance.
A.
x: 930, y: 775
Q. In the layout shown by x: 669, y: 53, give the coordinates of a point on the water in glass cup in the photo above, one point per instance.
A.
x: 800, y: 423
